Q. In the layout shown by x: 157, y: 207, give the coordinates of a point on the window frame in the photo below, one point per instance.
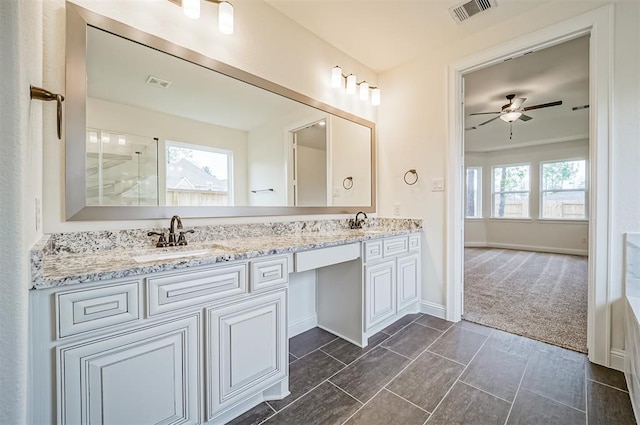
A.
x: 493, y: 191
x: 585, y: 190
x: 479, y: 194
x: 227, y: 152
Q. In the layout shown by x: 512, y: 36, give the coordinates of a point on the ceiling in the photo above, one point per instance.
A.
x: 557, y: 73
x: 383, y: 34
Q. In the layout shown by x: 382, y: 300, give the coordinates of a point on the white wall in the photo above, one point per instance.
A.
x: 108, y: 115
x: 568, y: 237
x: 412, y: 130
x: 350, y: 156
x: 265, y: 43
x: 20, y: 185
x: 312, y: 176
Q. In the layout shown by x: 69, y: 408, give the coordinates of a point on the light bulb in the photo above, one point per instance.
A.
x: 351, y: 84
x: 336, y: 77
x: 375, y: 96
x: 191, y: 8
x: 511, y: 116
x: 225, y: 17
x: 364, y: 90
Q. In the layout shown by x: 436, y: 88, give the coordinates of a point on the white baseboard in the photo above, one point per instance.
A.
x: 303, y: 326
x: 433, y: 309
x: 616, y: 360
x: 554, y: 250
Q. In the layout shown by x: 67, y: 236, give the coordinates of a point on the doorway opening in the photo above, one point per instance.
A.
x: 526, y: 153
x: 597, y: 25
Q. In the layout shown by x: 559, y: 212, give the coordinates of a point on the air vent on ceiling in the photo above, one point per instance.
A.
x: 158, y: 82
x: 465, y: 11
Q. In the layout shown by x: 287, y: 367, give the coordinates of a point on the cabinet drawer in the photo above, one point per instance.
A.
x: 414, y: 242
x: 96, y: 308
x: 372, y: 251
x: 395, y: 246
x: 169, y: 293
x: 268, y: 273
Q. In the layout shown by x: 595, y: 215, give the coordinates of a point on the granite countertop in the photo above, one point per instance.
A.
x: 62, y: 267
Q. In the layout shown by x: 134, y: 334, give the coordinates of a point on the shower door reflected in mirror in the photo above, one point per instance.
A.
x: 121, y: 169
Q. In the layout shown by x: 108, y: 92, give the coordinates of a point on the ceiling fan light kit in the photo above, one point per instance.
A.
x: 513, y: 111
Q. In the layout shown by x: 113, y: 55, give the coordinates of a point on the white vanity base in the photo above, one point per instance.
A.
x: 276, y: 392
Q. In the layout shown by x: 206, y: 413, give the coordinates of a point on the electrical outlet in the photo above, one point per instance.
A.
x: 396, y: 209
x: 437, y: 185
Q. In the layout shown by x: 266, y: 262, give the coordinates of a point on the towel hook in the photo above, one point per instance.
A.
x: 347, y: 183
x: 39, y: 93
x: 415, y: 174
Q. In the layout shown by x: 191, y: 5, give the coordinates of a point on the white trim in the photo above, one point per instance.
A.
x: 302, y: 325
x: 534, y: 248
x: 433, y: 309
x: 617, y: 359
x: 599, y: 24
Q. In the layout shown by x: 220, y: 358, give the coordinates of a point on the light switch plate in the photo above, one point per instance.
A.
x: 396, y: 209
x: 437, y: 185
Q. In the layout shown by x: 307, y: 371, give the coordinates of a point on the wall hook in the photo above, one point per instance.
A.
x: 39, y: 93
x: 412, y: 181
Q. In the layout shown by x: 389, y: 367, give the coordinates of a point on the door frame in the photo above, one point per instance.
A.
x: 599, y: 25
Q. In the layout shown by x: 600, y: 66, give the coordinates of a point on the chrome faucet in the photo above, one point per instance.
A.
x: 357, y: 223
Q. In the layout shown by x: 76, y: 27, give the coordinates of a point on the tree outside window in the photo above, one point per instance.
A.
x: 563, y: 190
x: 511, y: 191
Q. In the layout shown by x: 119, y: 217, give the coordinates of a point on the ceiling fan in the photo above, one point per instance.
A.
x: 513, y: 111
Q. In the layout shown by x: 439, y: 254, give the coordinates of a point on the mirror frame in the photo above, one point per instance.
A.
x: 77, y: 21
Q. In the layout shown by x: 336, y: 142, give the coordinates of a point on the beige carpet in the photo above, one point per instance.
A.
x: 538, y: 295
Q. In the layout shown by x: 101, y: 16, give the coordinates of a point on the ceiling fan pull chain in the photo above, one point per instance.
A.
x: 510, y: 131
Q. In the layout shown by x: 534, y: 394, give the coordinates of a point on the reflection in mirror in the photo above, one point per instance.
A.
x: 165, y: 131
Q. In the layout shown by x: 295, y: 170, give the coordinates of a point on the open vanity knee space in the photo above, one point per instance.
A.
x: 201, y: 339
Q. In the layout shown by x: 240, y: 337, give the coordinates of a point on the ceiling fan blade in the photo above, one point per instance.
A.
x: 484, y: 113
x: 470, y: 128
x: 517, y: 103
x: 487, y: 122
x: 543, y: 105
x: 525, y: 117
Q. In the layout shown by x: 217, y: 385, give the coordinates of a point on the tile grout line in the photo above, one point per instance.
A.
x: 346, y: 393
x: 431, y: 327
x: 524, y: 372
x: 446, y: 358
x: 395, y: 352
x: 606, y: 385
x: 398, y: 374
x: 315, y: 349
x: 556, y: 401
x: 292, y: 403
x: 458, y: 378
x: 271, y: 407
x: 334, y: 358
x: 485, y: 391
x: 586, y: 391
x: 408, y: 401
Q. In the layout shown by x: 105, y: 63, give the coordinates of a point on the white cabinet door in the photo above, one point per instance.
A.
x: 246, y: 349
x: 408, y: 280
x: 380, y: 292
x: 147, y: 376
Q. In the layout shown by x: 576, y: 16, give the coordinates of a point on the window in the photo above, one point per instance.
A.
x: 510, y: 191
x: 198, y: 175
x: 473, y: 185
x: 563, y: 190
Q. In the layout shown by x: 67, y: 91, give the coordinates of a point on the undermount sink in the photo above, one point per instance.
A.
x: 169, y: 255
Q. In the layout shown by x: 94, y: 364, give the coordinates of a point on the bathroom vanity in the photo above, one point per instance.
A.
x: 199, y: 334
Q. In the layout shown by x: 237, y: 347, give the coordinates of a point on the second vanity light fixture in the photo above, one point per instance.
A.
x: 191, y: 9
x: 338, y: 79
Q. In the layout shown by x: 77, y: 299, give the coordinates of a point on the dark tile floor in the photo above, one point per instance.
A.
x: 423, y: 369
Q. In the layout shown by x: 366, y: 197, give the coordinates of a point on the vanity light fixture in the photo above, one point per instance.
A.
x: 350, y: 83
x: 191, y: 9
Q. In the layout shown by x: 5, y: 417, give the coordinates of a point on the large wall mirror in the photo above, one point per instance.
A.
x: 159, y: 130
